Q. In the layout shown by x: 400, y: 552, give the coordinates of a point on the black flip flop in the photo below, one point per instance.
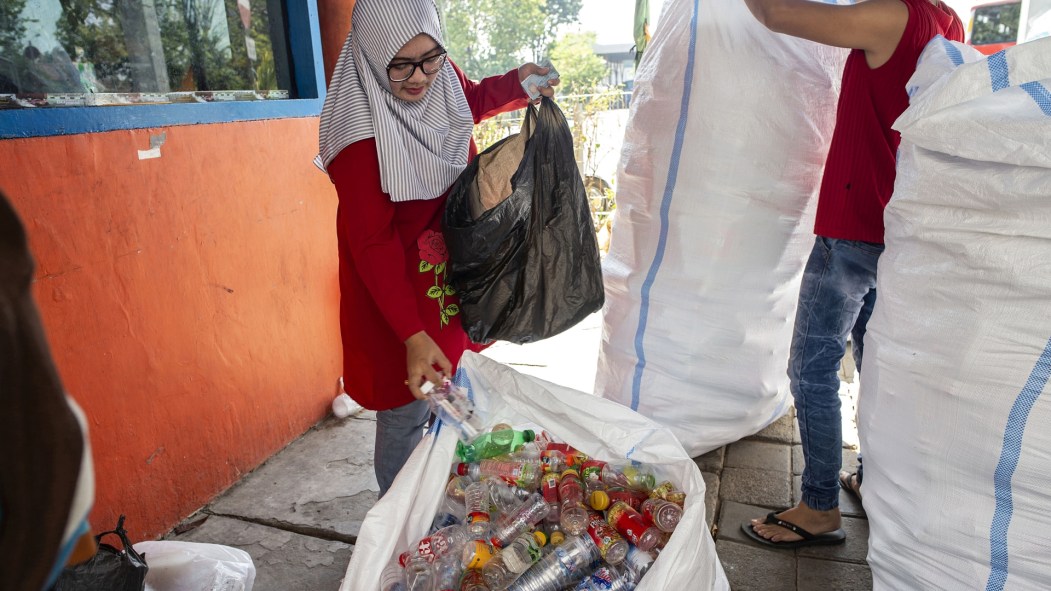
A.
x: 826, y: 539
x: 849, y: 482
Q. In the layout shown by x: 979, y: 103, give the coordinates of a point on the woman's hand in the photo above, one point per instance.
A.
x: 527, y: 70
x: 422, y: 354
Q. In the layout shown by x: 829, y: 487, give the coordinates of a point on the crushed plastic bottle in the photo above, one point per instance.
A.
x: 573, y: 516
x: 504, y: 496
x: 447, y: 540
x: 638, y: 563
x: 453, y: 406
x: 447, y: 574
x: 510, y: 562
x: 565, y: 565
x: 633, y: 476
x: 532, y: 511
x: 606, y: 578
x: 491, y: 445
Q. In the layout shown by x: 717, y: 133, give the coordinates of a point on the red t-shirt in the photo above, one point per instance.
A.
x: 392, y: 261
x: 859, y: 171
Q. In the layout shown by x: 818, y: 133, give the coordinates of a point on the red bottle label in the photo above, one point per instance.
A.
x: 602, y: 534
x: 630, y: 524
x: 632, y: 498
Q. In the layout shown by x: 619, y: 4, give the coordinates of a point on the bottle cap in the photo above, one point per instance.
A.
x: 571, y: 471
x: 476, y: 554
x: 528, y: 435
x: 540, y: 538
x: 426, y: 388
x: 557, y: 538
x: 599, y: 500
x: 461, y: 469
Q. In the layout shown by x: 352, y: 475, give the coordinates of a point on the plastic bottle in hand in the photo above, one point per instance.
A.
x: 573, y: 516
x: 606, y: 578
x: 633, y: 526
x: 493, y: 444
x: 393, y: 577
x: 664, y: 514
x: 477, y: 502
x: 521, y: 474
x: 611, y: 545
x: 532, y: 511
x: 453, y: 406
x: 510, y: 562
x: 565, y: 565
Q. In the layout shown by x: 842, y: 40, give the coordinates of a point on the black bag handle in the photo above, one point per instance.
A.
x: 122, y: 533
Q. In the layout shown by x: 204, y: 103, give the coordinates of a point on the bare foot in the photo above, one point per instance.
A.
x: 813, y: 521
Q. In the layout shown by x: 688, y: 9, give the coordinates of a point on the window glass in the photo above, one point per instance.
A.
x: 995, y: 24
x: 97, y: 52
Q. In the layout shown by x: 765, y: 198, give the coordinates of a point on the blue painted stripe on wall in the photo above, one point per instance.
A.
x: 999, y: 553
x: 999, y: 74
x: 1040, y: 95
x: 669, y: 189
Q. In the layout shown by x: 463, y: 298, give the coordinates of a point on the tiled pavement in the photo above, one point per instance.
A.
x: 298, y: 514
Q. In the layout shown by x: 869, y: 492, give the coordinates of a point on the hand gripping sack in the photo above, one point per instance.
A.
x: 597, y: 427
x: 526, y: 268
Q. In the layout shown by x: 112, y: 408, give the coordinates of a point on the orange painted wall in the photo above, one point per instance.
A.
x: 334, y: 16
x: 191, y: 301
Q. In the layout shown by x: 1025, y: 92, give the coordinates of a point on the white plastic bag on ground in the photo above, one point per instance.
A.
x: 954, y: 403
x: 722, y: 160
x: 190, y: 566
x: 600, y: 428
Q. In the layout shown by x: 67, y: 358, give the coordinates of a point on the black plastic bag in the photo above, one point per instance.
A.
x: 109, y: 569
x: 528, y: 268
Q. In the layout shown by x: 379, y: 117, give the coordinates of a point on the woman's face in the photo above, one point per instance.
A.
x: 420, y: 49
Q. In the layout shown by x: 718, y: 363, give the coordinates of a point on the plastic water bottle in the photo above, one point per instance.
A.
x: 477, y: 502
x: 553, y: 461
x: 633, y: 526
x: 510, y: 562
x: 594, y: 489
x: 504, y: 496
x: 521, y: 474
x: 611, y: 546
x: 638, y: 563
x: 664, y: 514
x: 453, y: 406
x: 447, y: 574
x: 473, y: 581
x: 524, y: 518
x: 633, y: 476
x: 606, y: 578
x: 549, y: 488
x: 565, y: 565
x: 574, y: 457
x: 447, y: 540
x: 419, y: 574
x: 573, y: 516
x: 393, y: 578
x: 491, y: 445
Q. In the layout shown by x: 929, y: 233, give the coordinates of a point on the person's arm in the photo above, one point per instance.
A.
x: 874, y: 26
x: 494, y: 95
x: 367, y: 222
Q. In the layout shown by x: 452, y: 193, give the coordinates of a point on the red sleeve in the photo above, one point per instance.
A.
x: 493, y: 95
x: 366, y: 224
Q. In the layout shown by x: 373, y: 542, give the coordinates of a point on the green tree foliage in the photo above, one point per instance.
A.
x: 580, y: 68
x: 490, y: 37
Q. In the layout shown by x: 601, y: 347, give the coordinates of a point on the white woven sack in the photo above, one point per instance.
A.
x: 722, y: 160
x: 954, y: 401
x: 600, y: 428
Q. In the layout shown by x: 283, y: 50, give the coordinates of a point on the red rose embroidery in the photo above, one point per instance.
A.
x: 432, y: 247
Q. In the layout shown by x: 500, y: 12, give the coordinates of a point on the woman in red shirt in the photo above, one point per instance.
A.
x: 395, y: 134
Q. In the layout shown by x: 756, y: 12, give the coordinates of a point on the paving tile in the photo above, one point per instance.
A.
x: 754, y: 568
x: 283, y: 560
x: 855, y: 549
x: 756, y: 487
x: 711, y: 461
x: 322, y: 481
x: 760, y: 455
x: 783, y: 430
x: 823, y: 575
x: 732, y: 515
x: 711, y: 497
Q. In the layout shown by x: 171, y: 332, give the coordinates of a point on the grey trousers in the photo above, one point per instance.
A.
x: 398, y: 430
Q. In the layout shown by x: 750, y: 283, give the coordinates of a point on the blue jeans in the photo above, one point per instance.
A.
x: 835, y: 300
x: 398, y: 430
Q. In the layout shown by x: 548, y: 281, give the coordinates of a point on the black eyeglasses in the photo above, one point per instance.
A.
x: 402, y: 71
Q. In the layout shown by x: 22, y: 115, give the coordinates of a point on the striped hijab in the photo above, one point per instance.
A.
x: 422, y: 146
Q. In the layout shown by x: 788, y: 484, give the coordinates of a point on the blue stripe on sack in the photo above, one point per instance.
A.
x: 669, y: 189
x: 952, y: 51
x: 998, y: 71
x: 1040, y: 94
x: 1005, y: 469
